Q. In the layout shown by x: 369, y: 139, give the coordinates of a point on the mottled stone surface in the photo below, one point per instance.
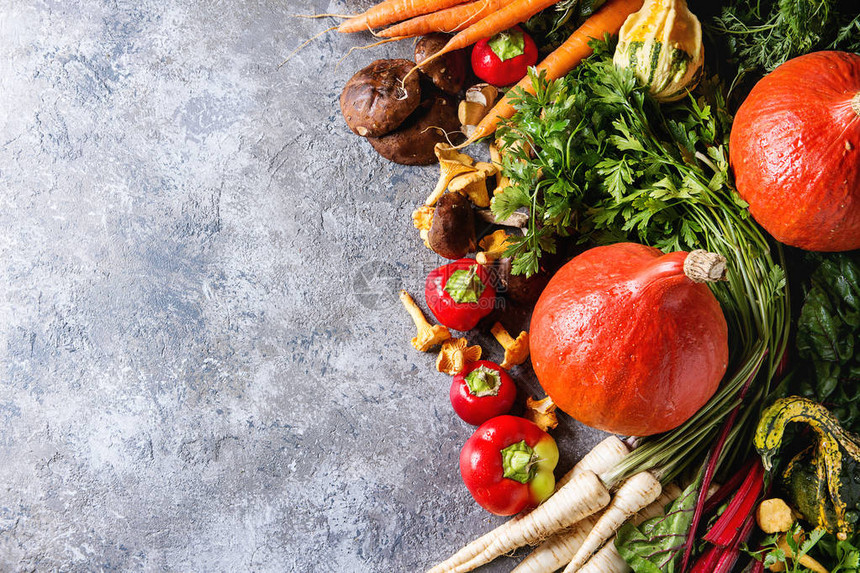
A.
x: 204, y: 363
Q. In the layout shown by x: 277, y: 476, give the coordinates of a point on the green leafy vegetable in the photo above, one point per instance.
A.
x: 658, y: 543
x: 508, y: 45
x: 827, y: 340
x: 554, y: 25
x: 839, y: 556
x: 594, y: 153
x: 762, y: 34
x: 771, y: 554
x: 465, y: 286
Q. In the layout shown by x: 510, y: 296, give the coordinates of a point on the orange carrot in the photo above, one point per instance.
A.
x: 502, y: 19
x: 449, y: 20
x: 607, y: 20
x: 392, y: 11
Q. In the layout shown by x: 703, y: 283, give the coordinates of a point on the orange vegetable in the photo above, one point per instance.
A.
x: 502, y: 19
x: 392, y: 11
x: 607, y: 20
x: 449, y: 20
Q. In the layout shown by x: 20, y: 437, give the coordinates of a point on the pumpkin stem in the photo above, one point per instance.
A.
x: 704, y: 267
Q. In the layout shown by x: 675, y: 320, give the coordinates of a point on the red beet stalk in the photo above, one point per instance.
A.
x: 731, y: 485
x: 711, y: 468
x: 728, y: 527
x: 722, y: 559
x: 707, y: 563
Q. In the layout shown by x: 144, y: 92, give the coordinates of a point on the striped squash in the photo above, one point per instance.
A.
x: 662, y: 44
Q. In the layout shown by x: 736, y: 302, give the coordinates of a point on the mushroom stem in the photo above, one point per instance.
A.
x: 517, y: 219
x: 516, y: 349
x: 417, y: 315
x: 702, y: 267
x: 502, y: 335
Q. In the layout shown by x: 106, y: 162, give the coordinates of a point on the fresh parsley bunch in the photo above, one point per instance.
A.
x: 593, y: 154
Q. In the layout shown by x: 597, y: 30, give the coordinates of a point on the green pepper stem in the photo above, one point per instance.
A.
x: 518, y: 462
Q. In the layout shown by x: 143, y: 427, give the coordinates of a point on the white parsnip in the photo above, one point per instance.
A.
x: 601, y: 459
x: 608, y: 560
x: 558, y: 550
x: 636, y: 493
x: 580, y: 497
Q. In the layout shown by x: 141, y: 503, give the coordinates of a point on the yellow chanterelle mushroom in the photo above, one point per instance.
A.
x: 516, y: 350
x: 429, y: 335
x: 455, y: 354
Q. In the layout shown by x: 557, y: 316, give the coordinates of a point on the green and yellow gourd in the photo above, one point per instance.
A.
x: 824, y: 479
x: 662, y: 44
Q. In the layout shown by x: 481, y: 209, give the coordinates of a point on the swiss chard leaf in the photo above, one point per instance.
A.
x: 826, y: 338
x: 658, y: 543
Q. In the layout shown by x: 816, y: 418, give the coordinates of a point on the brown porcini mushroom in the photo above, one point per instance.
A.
x: 375, y: 101
x: 413, y: 142
x: 452, y: 232
x: 448, y: 73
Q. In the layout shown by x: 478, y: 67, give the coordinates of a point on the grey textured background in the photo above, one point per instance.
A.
x: 204, y: 363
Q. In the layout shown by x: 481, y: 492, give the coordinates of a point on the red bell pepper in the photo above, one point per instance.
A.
x: 460, y: 294
x: 505, y: 58
x: 482, y: 390
x: 508, y: 464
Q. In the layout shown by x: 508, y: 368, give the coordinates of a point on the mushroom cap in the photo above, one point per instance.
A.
x: 375, y: 100
x: 455, y: 354
x: 448, y: 72
x: 429, y: 337
x: 452, y: 231
x: 518, y: 352
x: 412, y: 143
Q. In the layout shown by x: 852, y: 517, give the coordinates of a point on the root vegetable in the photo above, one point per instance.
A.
x: 392, y: 11
x: 449, y: 20
x: 560, y: 549
x: 634, y: 495
x: 774, y: 516
x: 582, y: 496
x: 600, y: 460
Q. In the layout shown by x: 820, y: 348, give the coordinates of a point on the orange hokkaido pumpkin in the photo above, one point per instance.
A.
x: 795, y: 151
x: 623, y: 340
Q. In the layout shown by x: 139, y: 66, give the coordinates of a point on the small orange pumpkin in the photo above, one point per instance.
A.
x: 622, y: 339
x: 795, y: 151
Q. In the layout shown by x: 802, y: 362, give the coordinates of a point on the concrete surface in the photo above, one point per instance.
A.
x: 204, y: 363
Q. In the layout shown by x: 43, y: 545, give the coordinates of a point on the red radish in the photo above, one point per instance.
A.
x: 795, y: 151
x: 629, y: 340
